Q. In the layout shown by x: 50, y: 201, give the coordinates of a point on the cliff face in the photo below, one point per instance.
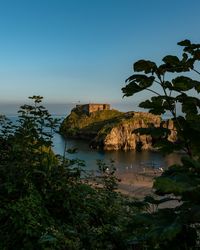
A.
x: 121, y: 136
x: 113, y: 130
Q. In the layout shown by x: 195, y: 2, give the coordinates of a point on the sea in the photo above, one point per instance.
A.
x: 124, y: 161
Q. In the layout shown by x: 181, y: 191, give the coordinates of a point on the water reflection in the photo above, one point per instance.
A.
x: 129, y: 161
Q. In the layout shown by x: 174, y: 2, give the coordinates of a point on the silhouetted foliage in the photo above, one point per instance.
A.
x: 177, y: 227
x: 45, y: 203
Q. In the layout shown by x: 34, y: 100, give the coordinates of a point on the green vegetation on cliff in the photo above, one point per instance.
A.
x: 78, y: 122
x: 109, y: 129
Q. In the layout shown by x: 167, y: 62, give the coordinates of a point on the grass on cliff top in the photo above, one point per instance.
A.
x: 93, y: 122
x: 99, y: 122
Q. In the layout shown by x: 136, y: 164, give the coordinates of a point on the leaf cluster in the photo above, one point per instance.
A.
x: 165, y: 228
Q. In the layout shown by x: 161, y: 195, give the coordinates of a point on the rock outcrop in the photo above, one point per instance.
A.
x: 122, y: 136
x: 114, y: 130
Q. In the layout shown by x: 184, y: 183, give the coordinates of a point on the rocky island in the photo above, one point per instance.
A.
x: 111, y: 129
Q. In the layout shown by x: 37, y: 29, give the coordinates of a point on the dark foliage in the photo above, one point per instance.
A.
x: 45, y: 204
x: 176, y: 227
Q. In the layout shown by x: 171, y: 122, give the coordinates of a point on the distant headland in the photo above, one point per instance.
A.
x: 110, y: 129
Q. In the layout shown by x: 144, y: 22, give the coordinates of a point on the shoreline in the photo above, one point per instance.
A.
x: 136, y: 185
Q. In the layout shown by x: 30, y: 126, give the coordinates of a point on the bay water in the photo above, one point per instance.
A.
x: 124, y: 161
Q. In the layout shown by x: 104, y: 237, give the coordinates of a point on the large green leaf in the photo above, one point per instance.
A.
x: 158, y: 104
x: 183, y: 83
x: 137, y: 83
x: 197, y: 86
x: 176, y: 183
x: 142, y: 80
x: 190, y: 105
x: 145, y: 65
x: 162, y: 69
x: 155, y: 107
x: 172, y: 60
x: 184, y: 43
x: 131, y: 88
x: 173, y: 64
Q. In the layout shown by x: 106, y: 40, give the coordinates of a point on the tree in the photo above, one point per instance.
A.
x: 172, y: 228
x: 45, y: 203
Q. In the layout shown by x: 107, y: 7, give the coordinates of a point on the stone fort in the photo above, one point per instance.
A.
x: 93, y: 107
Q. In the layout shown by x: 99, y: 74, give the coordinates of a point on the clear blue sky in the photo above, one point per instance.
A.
x: 70, y: 50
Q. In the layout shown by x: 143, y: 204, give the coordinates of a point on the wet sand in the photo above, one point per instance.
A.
x: 133, y: 184
x: 136, y: 185
x: 139, y: 185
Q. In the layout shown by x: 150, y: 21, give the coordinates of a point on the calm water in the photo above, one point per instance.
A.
x: 124, y: 161
x: 129, y: 161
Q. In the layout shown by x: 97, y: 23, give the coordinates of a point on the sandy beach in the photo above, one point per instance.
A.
x: 139, y: 185
x: 133, y: 184
x: 136, y: 184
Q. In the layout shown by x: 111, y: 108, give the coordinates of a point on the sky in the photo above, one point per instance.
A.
x: 71, y: 51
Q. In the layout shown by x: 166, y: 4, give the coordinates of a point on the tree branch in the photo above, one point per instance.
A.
x: 196, y: 71
x: 153, y: 92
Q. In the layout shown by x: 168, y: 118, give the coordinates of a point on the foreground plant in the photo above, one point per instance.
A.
x: 44, y: 202
x: 172, y: 88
